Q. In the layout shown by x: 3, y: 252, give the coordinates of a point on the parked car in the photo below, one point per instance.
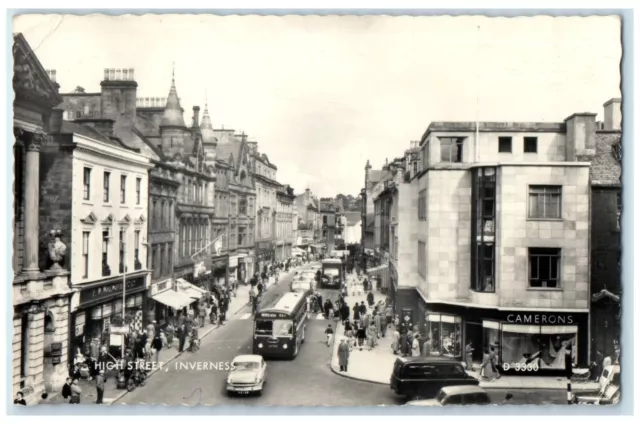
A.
x: 456, y: 395
x: 423, y: 377
x: 248, y: 375
x: 609, y: 392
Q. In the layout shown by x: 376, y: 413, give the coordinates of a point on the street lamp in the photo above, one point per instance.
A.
x: 367, y: 168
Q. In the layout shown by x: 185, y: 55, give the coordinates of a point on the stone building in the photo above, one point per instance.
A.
x: 606, y: 247
x: 235, y: 211
x: 285, y: 220
x: 501, y: 231
x: 41, y: 293
x: 307, y: 207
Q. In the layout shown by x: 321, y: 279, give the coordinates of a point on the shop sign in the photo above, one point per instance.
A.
x: 199, y: 269
x: 264, y: 245
x: 110, y: 290
x: 537, y: 318
x: 233, y: 261
x: 245, y: 260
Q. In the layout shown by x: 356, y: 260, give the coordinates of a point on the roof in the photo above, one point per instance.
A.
x: 206, y: 129
x: 228, y: 149
x: 287, y: 302
x: 605, y: 167
x: 247, y: 358
x: 86, y: 131
x: 453, y: 126
x: 353, y: 217
x: 172, y: 116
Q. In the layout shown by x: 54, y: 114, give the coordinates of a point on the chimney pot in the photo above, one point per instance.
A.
x: 55, y: 121
x: 106, y: 74
x: 131, y: 77
x: 112, y: 74
x: 118, y: 74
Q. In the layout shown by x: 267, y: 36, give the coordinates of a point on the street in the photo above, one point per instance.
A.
x: 304, y: 381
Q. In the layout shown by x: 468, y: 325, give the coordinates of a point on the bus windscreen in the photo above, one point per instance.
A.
x: 331, y: 272
x: 274, y: 327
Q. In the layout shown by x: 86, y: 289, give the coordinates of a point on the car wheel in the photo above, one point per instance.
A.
x: 259, y: 392
x: 229, y: 393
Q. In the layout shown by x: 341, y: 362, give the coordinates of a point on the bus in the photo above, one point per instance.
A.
x: 279, y: 331
x: 332, y: 273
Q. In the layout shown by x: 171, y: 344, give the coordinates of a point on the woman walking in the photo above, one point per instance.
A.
x: 468, y: 356
x: 486, y: 369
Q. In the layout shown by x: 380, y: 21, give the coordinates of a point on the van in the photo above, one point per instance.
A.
x: 423, y: 377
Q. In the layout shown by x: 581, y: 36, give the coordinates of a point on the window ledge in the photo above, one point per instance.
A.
x: 87, y: 203
x: 483, y: 292
x: 544, y: 289
x: 546, y: 219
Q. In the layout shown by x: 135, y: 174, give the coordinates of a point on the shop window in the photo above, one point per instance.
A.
x: 545, y: 202
x: 544, y: 267
x: 534, y: 347
x: 445, y: 335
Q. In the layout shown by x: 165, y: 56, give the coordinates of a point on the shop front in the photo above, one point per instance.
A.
x: 233, y: 269
x: 218, y: 274
x: 166, y: 302
x: 265, y: 254
x: 244, y: 271
x: 525, y: 341
x: 202, y: 273
x: 100, y: 306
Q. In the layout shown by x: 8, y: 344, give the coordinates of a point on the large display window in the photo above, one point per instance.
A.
x: 537, y: 346
x: 445, y: 333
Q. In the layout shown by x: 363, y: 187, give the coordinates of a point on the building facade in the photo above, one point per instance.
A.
x: 502, y: 240
x: 264, y: 174
x: 41, y: 293
x: 606, y: 248
x: 285, y: 220
x: 236, y: 212
x: 307, y: 207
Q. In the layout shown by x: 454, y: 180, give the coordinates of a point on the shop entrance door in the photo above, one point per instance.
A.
x: 473, y: 334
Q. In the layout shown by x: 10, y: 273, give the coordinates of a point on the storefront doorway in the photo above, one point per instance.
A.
x: 473, y: 333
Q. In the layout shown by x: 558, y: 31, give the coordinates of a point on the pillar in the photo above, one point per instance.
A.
x: 32, y: 204
x: 36, y: 349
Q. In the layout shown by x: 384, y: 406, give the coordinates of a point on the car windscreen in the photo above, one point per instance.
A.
x: 244, y: 366
x: 274, y: 327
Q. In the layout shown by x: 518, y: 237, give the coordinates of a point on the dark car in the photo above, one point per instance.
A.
x: 423, y: 377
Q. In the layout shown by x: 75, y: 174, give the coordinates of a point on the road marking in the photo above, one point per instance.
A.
x: 245, y: 316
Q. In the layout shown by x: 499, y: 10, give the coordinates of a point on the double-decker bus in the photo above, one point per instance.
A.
x: 332, y: 273
x: 279, y: 331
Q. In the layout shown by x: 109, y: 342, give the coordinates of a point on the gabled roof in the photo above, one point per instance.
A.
x: 225, y: 151
x: 30, y: 80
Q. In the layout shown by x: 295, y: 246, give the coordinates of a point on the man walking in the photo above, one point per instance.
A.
x: 100, y: 386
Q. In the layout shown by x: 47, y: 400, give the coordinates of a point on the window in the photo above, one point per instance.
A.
x: 415, y: 168
x: 123, y: 188
x: 422, y: 205
x: 136, y: 246
x: 86, y: 195
x: 531, y: 144
x: 105, y: 253
x: 105, y: 187
x: 422, y: 259
x: 485, y: 273
x: 451, y: 149
x: 545, y: 202
x: 544, y: 267
x: 123, y: 247
x: 85, y: 254
x: 138, y: 190
x: 504, y: 144
x: 618, y: 208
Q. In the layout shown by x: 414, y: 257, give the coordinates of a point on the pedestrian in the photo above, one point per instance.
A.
x: 372, y: 336
x: 19, y: 400
x: 156, y: 347
x: 388, y: 315
x: 329, y: 335
x: 493, y: 359
x: 486, y: 370
x: 415, y: 346
x: 468, y: 356
x: 426, y: 346
x: 348, y: 328
x: 396, y: 321
x: 370, y: 299
x: 377, y: 321
x: 75, y: 392
x: 356, y: 312
x: 363, y: 308
x: 100, y: 387
x: 182, y: 337
x: 169, y: 332
x: 151, y: 329
x: 202, y: 314
x: 366, y: 320
x: 343, y: 355
x: 66, y: 388
x: 361, y: 335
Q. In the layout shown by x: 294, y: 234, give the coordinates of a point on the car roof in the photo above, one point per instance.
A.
x: 462, y: 390
x: 428, y: 360
x: 247, y: 358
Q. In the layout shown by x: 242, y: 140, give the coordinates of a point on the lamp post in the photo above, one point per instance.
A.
x: 124, y: 290
x: 367, y: 168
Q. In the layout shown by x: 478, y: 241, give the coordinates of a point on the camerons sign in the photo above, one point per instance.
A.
x: 540, y: 318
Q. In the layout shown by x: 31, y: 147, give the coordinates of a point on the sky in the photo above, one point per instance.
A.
x: 322, y: 95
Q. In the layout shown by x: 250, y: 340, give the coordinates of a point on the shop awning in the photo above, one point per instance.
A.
x: 381, y: 271
x: 173, y: 299
x: 189, y: 290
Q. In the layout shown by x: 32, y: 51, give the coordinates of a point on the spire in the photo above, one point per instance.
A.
x: 208, y: 135
x: 173, y: 111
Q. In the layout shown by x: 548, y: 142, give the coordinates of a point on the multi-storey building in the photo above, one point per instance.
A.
x: 264, y: 174
x: 285, y: 219
x: 236, y: 202
x: 502, y: 240
x: 606, y: 209
x: 307, y: 207
x: 41, y: 293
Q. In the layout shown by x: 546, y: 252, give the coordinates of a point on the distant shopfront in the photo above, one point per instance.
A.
x: 100, y: 305
x: 535, y: 341
x: 265, y: 253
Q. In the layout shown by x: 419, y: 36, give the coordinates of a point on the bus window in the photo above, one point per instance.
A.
x: 264, y: 328
x: 282, y: 328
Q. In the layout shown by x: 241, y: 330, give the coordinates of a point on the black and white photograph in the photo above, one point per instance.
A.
x: 330, y: 211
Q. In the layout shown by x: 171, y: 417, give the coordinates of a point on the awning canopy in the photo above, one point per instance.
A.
x: 173, y: 299
x: 189, y: 290
x: 381, y: 271
x: 605, y: 294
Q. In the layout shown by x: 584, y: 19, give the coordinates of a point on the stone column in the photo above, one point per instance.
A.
x: 31, y: 203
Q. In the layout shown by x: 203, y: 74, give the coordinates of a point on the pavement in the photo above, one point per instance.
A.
x: 376, y: 366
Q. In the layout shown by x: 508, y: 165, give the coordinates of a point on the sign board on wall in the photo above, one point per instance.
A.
x: 108, y: 290
x: 233, y: 261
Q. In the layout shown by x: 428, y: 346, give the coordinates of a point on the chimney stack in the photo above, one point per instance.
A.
x: 196, y: 117
x: 613, y: 115
x: 581, y: 135
x: 118, y: 101
x: 55, y: 121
